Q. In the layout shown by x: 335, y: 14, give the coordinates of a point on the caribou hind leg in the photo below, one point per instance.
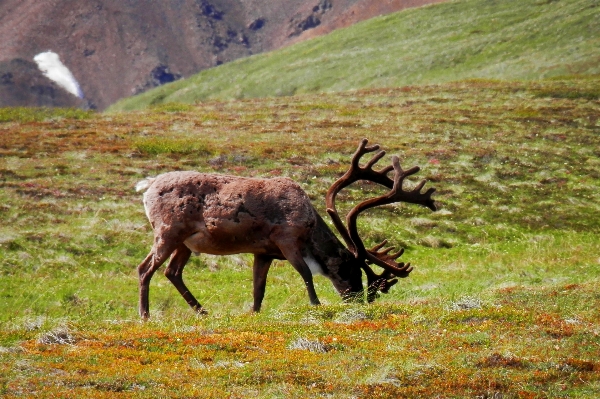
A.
x: 174, y: 273
x: 158, y: 255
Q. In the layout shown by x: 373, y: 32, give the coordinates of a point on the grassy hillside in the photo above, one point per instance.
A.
x: 515, y: 39
x: 503, y: 301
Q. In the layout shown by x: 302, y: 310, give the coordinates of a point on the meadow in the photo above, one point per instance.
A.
x: 503, y: 302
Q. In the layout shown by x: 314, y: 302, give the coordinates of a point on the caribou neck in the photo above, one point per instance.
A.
x: 337, y: 262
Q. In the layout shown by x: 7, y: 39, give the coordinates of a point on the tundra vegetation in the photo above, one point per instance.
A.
x: 503, y: 300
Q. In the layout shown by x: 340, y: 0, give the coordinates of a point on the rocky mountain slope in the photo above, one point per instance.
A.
x: 119, y: 48
x: 458, y: 40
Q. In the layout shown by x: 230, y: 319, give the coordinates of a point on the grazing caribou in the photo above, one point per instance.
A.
x: 272, y: 219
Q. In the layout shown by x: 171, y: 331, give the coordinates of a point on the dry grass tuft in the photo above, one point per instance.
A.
x: 315, y: 346
x: 58, y: 336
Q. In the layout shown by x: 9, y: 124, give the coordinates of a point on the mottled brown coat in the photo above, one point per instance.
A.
x: 223, y: 215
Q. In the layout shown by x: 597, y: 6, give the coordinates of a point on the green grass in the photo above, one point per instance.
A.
x: 454, y: 40
x: 25, y: 114
x: 503, y: 301
x: 166, y: 145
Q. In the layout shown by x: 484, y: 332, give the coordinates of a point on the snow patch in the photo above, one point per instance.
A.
x: 49, y: 63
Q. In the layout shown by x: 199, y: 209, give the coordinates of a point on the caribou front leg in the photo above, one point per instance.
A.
x: 294, y: 256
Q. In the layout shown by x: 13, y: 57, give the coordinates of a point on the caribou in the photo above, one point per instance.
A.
x: 192, y: 212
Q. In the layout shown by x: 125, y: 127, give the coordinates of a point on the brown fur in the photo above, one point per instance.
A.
x: 223, y: 215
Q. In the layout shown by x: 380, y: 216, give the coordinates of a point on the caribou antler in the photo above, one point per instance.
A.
x: 354, y: 174
x: 396, y: 194
x: 381, y: 257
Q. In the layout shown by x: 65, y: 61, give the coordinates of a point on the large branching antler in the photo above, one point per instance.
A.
x: 396, y: 194
x: 381, y: 257
x: 355, y: 173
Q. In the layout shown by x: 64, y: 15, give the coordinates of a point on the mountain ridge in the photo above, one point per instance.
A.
x: 117, y: 49
x: 465, y: 39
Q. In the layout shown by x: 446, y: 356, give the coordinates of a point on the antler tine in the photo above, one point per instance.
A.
x: 361, y: 150
x: 379, y: 246
x: 355, y: 172
x: 376, y: 255
x: 388, y: 261
x: 414, y: 196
